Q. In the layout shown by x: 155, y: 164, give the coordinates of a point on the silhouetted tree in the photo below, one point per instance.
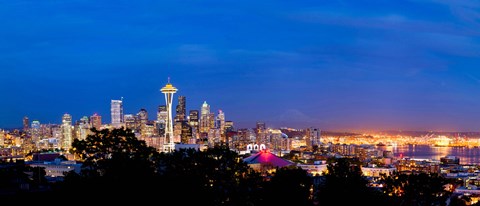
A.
x: 22, y: 184
x: 38, y: 176
x: 217, y: 176
x: 114, y: 153
x: 460, y: 200
x: 289, y: 186
x: 11, y: 176
x: 344, y: 184
x: 416, y: 189
x: 114, y: 161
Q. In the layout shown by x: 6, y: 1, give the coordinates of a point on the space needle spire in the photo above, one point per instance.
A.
x: 169, y: 90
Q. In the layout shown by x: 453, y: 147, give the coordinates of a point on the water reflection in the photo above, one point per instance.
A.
x: 467, y: 155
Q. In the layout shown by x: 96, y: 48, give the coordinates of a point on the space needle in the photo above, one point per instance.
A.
x: 168, y: 90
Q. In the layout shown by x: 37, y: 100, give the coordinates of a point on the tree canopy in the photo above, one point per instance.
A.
x: 344, y: 184
x: 114, y: 161
x: 115, y: 153
x: 216, y: 176
x: 118, y: 167
x: 289, y: 186
x: 416, y: 188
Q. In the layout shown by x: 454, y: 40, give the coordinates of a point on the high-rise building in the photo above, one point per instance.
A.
x: 67, y: 139
x: 205, y: 118
x: 2, y: 138
x: 193, y: 121
x: 130, y: 122
x: 116, y: 110
x: 260, y: 133
x: 57, y: 134
x: 96, y: 121
x: 161, y: 120
x: 181, y: 109
x: 211, y: 121
x: 205, y: 108
x: 142, y: 116
x: 169, y: 90
x: 142, y: 120
x: 35, y: 132
x: 277, y: 139
x: 147, y: 131
x: 162, y: 113
x: 186, y: 134
x: 260, y: 127
x: 313, y: 137
x: 229, y: 126
x: 193, y: 117
x: 45, y: 131
x: 229, y: 132
x: 26, y: 123
x: 181, y: 121
x: 220, y: 122
x: 82, y: 128
x: 177, y: 131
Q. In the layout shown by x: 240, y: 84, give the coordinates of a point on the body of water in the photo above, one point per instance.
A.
x: 467, y: 155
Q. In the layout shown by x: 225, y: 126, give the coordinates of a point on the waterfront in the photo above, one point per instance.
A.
x: 467, y: 155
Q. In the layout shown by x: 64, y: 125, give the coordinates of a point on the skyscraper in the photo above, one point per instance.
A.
x: 181, y: 109
x: 211, y: 121
x: 177, y: 131
x: 186, y: 133
x: 220, y: 125
x: 220, y: 122
x: 260, y: 133
x: 142, y: 116
x: 142, y: 120
x: 96, y: 121
x: 162, y: 113
x: 82, y: 128
x: 313, y: 137
x: 35, y: 132
x: 205, y: 118
x: 161, y: 120
x: 26, y: 123
x: 67, y: 139
x: 168, y: 90
x: 205, y: 108
x: 193, y: 122
x: 229, y: 126
x: 116, y: 110
x: 130, y: 122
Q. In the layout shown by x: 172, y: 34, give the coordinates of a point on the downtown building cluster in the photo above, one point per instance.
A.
x: 201, y: 127
x: 169, y: 129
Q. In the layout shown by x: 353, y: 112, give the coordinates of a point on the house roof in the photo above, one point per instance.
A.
x: 265, y: 157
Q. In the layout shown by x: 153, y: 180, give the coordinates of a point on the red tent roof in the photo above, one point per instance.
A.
x: 265, y: 157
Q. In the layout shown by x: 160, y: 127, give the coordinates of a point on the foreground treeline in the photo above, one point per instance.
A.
x: 120, y: 169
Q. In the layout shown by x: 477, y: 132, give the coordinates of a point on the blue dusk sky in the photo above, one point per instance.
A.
x: 345, y: 65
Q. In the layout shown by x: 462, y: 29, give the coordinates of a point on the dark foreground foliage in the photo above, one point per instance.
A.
x: 120, y: 169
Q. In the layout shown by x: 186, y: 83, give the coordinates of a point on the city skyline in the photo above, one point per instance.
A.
x: 339, y: 65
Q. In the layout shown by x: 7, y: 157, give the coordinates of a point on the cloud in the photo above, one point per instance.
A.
x: 467, y: 11
x: 196, y: 54
x: 461, y: 3
x: 473, y: 77
x: 390, y: 22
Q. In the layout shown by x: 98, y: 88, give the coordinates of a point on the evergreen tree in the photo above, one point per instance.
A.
x: 289, y: 186
x: 114, y: 162
x: 344, y: 184
x: 416, y: 189
x: 217, y: 176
